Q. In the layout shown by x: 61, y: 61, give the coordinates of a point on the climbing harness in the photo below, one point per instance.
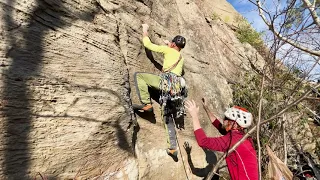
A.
x: 172, y: 103
x: 173, y: 93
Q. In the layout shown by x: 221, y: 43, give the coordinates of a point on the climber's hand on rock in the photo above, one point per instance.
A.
x: 145, y: 28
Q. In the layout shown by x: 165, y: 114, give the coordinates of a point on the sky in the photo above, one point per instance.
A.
x: 249, y: 11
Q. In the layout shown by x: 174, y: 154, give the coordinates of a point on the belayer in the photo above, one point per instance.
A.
x: 170, y: 83
x: 242, y: 162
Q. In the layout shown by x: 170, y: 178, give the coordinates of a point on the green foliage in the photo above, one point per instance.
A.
x: 264, y: 141
x: 245, y: 33
x: 294, y: 18
x: 296, y: 71
x: 280, y: 86
x: 303, y: 121
x: 274, y: 98
x: 275, y: 95
x: 247, y: 93
x: 226, y: 19
x: 296, y: 15
x: 215, y: 16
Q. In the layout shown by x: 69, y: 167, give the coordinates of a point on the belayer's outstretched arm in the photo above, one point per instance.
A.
x: 209, y: 113
x: 214, y: 143
x: 214, y: 120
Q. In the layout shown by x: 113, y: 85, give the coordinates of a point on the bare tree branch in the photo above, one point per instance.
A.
x: 258, y: 127
x: 280, y: 36
x: 312, y: 9
x: 284, y: 138
x: 310, y: 110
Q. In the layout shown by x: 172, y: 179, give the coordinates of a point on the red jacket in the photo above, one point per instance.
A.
x: 242, y: 163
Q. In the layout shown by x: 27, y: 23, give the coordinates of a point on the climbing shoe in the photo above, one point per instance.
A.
x: 143, y: 107
x: 173, y: 153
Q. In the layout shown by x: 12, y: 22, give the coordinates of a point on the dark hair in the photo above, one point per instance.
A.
x: 179, y: 41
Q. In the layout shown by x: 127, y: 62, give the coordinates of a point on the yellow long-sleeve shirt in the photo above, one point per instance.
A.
x: 171, y: 56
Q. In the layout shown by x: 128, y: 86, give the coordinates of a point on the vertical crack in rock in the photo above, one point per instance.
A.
x: 122, y: 38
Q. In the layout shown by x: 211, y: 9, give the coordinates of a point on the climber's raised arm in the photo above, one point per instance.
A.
x: 149, y: 45
x: 145, y: 28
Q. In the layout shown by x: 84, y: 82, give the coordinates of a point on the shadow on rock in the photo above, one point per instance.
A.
x: 146, y: 115
x: 211, y: 159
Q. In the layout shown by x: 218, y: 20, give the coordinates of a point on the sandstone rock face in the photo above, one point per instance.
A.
x: 67, y: 86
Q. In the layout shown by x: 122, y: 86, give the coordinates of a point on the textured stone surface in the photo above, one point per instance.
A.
x: 67, y: 71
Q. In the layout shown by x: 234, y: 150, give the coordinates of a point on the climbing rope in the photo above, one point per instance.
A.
x: 177, y: 137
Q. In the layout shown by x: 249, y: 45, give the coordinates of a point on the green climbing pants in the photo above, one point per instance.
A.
x: 143, y: 81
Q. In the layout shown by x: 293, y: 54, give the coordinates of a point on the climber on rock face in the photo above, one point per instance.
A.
x: 173, y: 62
x: 242, y: 162
x: 172, y: 66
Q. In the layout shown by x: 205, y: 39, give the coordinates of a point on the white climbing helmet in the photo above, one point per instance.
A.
x: 240, y: 115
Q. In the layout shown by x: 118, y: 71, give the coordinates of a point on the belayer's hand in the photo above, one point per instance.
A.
x: 192, y: 109
x: 145, y: 28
